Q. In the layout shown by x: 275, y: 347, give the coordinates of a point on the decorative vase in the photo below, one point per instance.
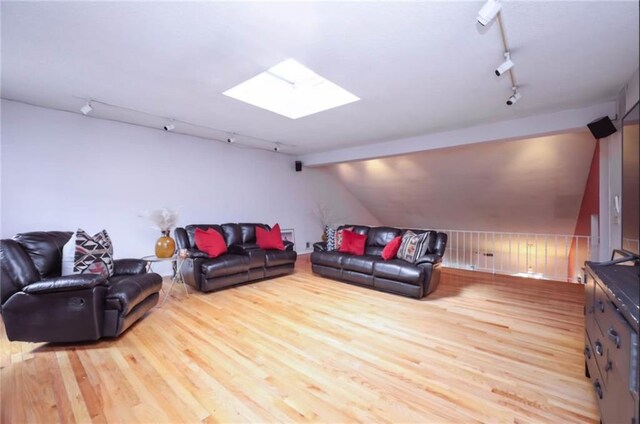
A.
x: 325, y: 237
x: 165, y: 246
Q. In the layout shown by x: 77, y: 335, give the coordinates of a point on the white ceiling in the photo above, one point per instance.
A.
x: 419, y: 67
x: 530, y: 186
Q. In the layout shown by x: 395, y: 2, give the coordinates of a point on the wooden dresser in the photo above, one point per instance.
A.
x: 611, y: 341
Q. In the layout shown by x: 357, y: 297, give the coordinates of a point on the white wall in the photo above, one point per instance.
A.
x: 62, y: 170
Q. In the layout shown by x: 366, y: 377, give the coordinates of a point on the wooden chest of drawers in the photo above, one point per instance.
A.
x: 611, y: 339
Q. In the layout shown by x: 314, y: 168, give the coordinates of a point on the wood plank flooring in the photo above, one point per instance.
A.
x: 482, y: 348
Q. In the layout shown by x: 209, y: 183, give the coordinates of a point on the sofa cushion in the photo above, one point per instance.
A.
x: 381, y: 236
x: 132, y: 290
x: 226, y: 264
x: 391, y: 249
x: 279, y: 257
x: 249, y: 231
x: 210, y: 241
x: 362, y: 264
x: 329, y: 259
x: 45, y: 250
x: 232, y: 234
x: 269, y: 239
x: 353, y: 243
x: 413, y: 246
x: 399, y: 270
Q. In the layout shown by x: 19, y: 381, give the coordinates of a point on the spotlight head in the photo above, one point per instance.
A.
x: 514, y: 98
x: 276, y: 149
x: 86, y: 109
x: 231, y: 140
x: 489, y: 12
x: 169, y: 127
x: 506, y: 65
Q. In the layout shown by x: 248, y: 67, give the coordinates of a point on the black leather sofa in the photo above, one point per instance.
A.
x: 243, y: 262
x: 370, y: 270
x: 40, y: 305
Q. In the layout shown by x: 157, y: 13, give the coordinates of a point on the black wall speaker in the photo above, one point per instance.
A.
x: 298, y: 166
x: 602, y: 127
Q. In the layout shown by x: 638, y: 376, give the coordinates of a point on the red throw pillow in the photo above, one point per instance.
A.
x: 391, y: 249
x: 353, y: 243
x: 266, y: 239
x: 211, y: 242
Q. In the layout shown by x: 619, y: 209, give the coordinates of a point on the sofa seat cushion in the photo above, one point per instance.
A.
x: 399, y: 270
x: 227, y: 264
x: 279, y: 257
x: 328, y: 259
x: 362, y: 264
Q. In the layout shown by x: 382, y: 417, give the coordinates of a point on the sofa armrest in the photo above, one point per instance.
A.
x: 430, y: 258
x: 129, y: 266
x: 126, y: 294
x: 66, y: 283
x: 288, y: 246
x: 320, y: 246
x: 195, y: 253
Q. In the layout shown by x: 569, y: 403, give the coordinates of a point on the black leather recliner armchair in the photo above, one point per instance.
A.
x: 243, y: 262
x: 370, y: 270
x: 38, y: 304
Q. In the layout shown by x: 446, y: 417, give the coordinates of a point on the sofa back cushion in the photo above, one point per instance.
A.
x: 249, y: 231
x: 18, y: 269
x: 232, y: 234
x: 191, y: 230
x: 45, y: 250
x: 381, y: 236
x: 358, y: 229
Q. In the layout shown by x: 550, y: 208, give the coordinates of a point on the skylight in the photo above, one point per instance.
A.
x: 292, y: 90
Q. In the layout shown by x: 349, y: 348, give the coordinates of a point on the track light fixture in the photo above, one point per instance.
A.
x: 489, y: 12
x: 86, y: 109
x: 514, y: 97
x: 170, y: 126
x: 506, y: 65
x: 277, y: 148
x: 231, y: 138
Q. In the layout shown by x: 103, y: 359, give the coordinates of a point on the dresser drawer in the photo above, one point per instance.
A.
x: 621, y: 344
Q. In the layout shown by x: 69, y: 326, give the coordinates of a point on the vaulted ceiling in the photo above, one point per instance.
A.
x: 534, y: 185
x: 419, y: 67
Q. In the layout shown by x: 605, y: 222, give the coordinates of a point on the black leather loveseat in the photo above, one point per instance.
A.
x: 243, y: 262
x: 370, y: 270
x: 41, y: 305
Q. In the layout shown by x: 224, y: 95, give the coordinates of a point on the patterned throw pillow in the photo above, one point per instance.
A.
x: 331, y: 238
x: 340, y: 236
x: 413, y: 246
x: 94, y: 254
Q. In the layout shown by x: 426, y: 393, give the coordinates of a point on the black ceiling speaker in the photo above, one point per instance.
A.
x: 602, y: 127
x: 298, y: 166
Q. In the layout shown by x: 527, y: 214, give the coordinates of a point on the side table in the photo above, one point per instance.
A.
x: 176, y: 261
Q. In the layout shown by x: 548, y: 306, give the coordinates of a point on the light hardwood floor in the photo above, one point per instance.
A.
x: 481, y: 348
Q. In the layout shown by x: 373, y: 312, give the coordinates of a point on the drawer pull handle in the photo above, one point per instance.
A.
x: 598, y: 388
x: 598, y: 348
x: 613, y: 336
x: 587, y: 352
x: 608, y: 366
x: 600, y: 305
